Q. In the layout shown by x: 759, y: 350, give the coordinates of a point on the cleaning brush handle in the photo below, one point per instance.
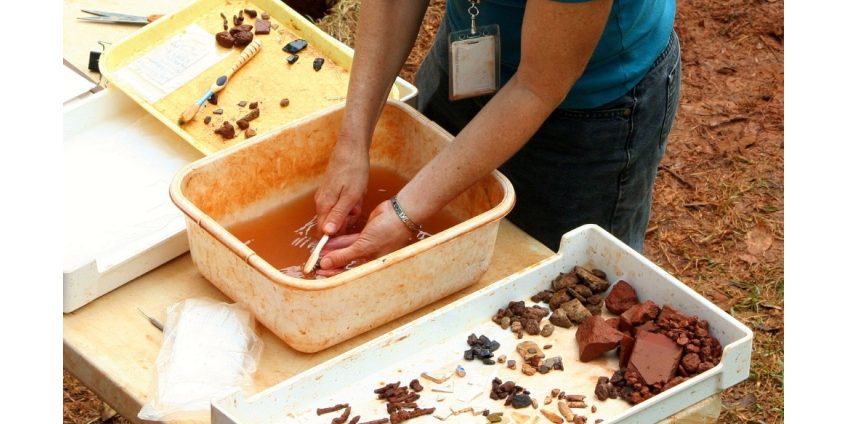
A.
x: 246, y: 55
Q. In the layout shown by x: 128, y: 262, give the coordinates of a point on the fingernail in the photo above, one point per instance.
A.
x: 329, y: 228
x: 325, y: 263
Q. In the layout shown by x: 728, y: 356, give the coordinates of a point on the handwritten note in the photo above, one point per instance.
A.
x: 172, y: 64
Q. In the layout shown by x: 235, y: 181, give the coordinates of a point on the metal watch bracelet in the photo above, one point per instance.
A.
x: 403, y: 218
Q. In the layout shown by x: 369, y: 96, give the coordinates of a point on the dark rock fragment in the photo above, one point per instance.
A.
x: 207, y: 119
x: 242, y: 124
x: 250, y: 12
x: 317, y: 64
x: 295, y: 46
x: 292, y: 59
x: 521, y: 401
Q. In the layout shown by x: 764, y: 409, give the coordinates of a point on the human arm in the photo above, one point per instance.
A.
x: 386, y: 32
x: 557, y: 41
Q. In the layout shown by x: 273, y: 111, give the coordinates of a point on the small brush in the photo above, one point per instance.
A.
x: 313, y: 258
x: 221, y: 81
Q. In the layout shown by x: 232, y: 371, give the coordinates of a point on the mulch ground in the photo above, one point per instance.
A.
x: 718, y: 212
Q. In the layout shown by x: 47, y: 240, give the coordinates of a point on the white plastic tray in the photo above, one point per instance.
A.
x: 438, y: 339
x: 119, y: 221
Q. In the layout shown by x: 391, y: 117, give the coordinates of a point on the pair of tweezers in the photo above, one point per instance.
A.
x: 118, y: 17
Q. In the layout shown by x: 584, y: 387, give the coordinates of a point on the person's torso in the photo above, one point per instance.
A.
x: 635, y: 34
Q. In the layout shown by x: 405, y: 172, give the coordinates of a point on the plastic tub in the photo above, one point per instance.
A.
x: 250, y: 179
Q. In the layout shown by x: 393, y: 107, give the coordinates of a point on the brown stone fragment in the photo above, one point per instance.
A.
x: 266, y: 16
x: 690, y: 362
x: 240, y: 28
x: 655, y: 358
x: 595, y: 283
x: 250, y: 12
x: 559, y: 298
x: 214, y: 99
x: 242, y: 124
x: 249, y: 133
x: 551, y: 416
x: 565, y: 411
x: 284, y: 102
x: 621, y: 298
x: 207, y: 119
x: 575, y: 398
x: 253, y: 114
x: 528, y: 350
x: 253, y: 105
x: 594, y: 337
x: 575, y: 311
x: 262, y: 26
x: 528, y: 369
x: 243, y: 38
x: 564, y: 280
x: 242, y: 103
x: 225, y: 40
x: 560, y: 319
x: 226, y: 130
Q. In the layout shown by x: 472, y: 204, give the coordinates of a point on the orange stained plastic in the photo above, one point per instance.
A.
x: 284, y: 237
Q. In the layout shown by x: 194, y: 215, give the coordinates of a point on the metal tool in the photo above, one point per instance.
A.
x: 120, y: 18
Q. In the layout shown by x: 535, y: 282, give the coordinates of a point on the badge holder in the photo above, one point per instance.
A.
x: 475, y: 57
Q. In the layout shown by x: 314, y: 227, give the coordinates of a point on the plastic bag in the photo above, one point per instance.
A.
x: 210, y: 347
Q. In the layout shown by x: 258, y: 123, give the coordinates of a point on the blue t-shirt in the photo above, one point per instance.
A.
x: 636, y: 33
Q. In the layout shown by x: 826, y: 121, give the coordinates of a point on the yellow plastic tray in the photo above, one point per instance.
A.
x: 267, y: 78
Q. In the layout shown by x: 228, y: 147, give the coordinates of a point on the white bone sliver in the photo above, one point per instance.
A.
x: 446, y: 388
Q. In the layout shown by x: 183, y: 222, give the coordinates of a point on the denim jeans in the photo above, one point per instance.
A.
x: 583, y: 166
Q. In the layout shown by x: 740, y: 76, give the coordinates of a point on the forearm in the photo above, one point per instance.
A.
x: 386, y: 32
x: 557, y: 42
x: 493, y: 136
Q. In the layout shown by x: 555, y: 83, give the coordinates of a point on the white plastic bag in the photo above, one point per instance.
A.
x: 210, y: 347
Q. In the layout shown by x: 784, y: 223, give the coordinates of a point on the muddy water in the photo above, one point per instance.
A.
x: 285, y: 236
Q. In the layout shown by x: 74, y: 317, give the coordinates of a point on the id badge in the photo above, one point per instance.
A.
x: 474, y: 62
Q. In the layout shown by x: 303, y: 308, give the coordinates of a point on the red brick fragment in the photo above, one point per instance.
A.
x: 625, y: 349
x: 655, y: 358
x: 621, y: 298
x: 595, y: 336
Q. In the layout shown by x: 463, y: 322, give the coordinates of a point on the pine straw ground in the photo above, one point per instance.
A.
x: 718, y: 203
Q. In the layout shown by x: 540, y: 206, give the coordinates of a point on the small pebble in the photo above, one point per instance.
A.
x: 460, y: 371
x: 254, y: 105
x: 510, y: 364
x: 275, y: 26
x: 266, y: 16
x: 249, y: 133
x: 242, y: 103
x: 218, y: 111
x: 207, y: 119
x: 242, y: 124
x: 547, y: 346
x: 284, y: 102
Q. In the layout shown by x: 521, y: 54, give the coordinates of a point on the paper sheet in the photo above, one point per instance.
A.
x: 173, y: 64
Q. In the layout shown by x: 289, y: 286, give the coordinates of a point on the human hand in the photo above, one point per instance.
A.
x: 383, y: 234
x: 338, y: 201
